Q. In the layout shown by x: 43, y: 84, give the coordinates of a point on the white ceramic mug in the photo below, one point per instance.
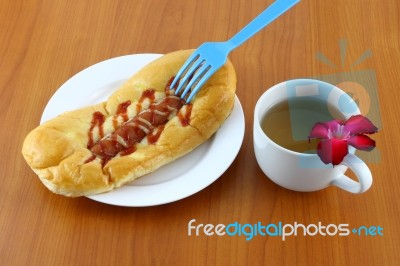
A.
x: 302, y: 171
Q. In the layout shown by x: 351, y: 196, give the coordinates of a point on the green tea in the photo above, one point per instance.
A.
x: 289, y: 123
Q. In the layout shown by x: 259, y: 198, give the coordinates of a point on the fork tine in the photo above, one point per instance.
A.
x: 201, y: 82
x: 189, y: 74
x: 197, y: 76
x: 192, y: 58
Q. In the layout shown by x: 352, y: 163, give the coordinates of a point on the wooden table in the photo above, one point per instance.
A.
x: 43, y: 43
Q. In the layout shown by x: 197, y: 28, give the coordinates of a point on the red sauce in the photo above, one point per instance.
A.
x: 155, y: 135
x: 185, y: 118
x: 97, y: 120
x: 122, y: 110
x: 91, y: 158
x: 128, y: 151
x: 168, y: 86
x: 105, y: 160
x: 115, y: 122
x: 147, y: 94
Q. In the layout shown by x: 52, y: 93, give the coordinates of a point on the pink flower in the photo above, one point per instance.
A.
x: 336, y: 135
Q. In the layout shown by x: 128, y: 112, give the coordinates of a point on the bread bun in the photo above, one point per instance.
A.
x: 71, y: 153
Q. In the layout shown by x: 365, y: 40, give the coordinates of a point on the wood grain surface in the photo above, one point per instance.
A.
x: 44, y: 43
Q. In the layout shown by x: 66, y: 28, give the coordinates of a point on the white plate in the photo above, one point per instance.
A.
x: 177, y: 180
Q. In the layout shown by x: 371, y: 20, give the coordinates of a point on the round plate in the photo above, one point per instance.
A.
x: 179, y: 179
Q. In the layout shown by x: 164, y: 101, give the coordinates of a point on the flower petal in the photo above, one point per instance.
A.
x: 334, y: 124
x: 321, y: 129
x: 332, y: 150
x: 362, y: 142
x: 358, y: 124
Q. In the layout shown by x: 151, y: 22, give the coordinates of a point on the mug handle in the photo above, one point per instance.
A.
x: 362, y: 172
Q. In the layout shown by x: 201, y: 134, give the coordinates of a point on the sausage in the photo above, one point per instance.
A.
x: 134, y: 130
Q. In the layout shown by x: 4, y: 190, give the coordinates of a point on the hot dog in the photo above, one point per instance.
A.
x: 141, y: 127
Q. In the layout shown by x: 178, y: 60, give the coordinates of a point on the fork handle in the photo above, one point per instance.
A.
x: 267, y: 16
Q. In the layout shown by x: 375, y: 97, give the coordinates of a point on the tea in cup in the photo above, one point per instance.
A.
x: 283, y: 118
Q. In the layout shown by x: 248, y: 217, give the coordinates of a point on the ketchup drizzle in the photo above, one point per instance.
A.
x: 155, y: 135
x: 185, y: 118
x: 97, y: 120
x: 168, y: 86
x: 91, y: 158
x: 122, y: 110
x: 147, y: 94
x: 128, y: 151
x: 105, y: 160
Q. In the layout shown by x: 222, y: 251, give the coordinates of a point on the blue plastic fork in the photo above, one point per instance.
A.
x: 211, y: 56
